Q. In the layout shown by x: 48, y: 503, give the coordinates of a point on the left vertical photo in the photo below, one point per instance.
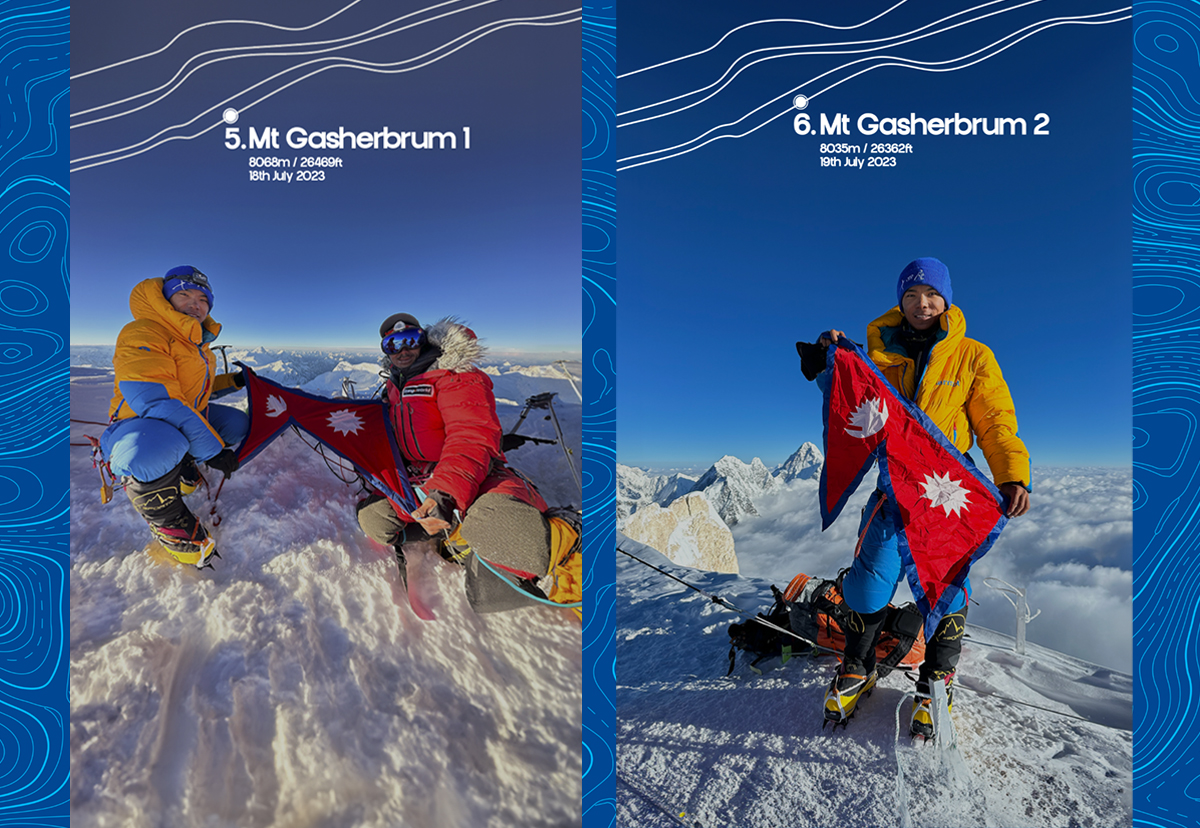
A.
x: 326, y: 414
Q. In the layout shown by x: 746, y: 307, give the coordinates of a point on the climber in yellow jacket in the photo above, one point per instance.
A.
x: 922, y: 349
x: 161, y: 420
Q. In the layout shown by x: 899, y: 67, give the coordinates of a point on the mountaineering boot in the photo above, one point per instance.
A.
x: 852, y: 683
x: 160, y: 503
x: 189, y: 475
x: 941, y: 658
x: 922, y: 706
x: 857, y: 676
x: 862, y: 635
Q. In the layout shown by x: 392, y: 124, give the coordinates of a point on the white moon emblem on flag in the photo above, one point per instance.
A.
x: 345, y: 421
x: 869, y: 418
x: 944, y: 492
x: 275, y: 406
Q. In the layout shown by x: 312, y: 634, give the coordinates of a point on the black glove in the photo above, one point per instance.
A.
x: 224, y: 461
x: 512, y: 441
x: 239, y: 379
x: 812, y: 359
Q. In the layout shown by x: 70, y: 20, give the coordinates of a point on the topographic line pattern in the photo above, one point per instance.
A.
x: 1166, y: 407
x: 599, y: 414
x: 34, y: 296
x: 151, y: 112
x: 822, y: 57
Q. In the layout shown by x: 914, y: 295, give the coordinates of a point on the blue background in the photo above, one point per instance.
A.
x: 734, y: 252
x: 34, y: 321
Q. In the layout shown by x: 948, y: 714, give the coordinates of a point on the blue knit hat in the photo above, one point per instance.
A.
x: 925, y: 272
x: 186, y: 277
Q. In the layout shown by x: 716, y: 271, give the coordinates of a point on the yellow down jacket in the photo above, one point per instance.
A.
x: 962, y: 391
x: 165, y: 369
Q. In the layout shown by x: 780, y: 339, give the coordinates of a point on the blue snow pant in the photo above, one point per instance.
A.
x: 876, y: 571
x: 145, y: 449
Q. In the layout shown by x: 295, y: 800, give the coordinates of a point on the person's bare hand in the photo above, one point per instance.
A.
x: 427, y: 515
x: 834, y: 336
x: 1018, y: 499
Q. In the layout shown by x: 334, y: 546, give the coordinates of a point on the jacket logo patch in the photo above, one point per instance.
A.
x: 948, y: 382
x: 417, y: 391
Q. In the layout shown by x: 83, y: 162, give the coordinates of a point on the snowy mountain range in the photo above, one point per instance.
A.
x: 1071, y: 554
x: 1040, y: 739
x: 731, y: 485
x: 292, y: 684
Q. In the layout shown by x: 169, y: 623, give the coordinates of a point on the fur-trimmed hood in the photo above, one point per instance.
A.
x: 460, y: 349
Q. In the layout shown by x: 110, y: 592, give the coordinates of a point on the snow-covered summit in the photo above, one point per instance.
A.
x: 638, y: 487
x: 292, y: 684
x: 732, y: 487
x: 804, y: 464
x: 1043, y: 739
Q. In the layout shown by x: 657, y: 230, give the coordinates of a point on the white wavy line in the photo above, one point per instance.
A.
x: 904, y: 62
x: 885, y: 42
x: 760, y: 22
x: 180, y: 80
x: 306, y: 63
x: 898, y: 62
x: 351, y: 65
x: 847, y: 52
x: 215, y: 23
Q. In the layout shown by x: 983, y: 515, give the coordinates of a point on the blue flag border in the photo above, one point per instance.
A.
x: 406, y: 498
x: 933, y: 614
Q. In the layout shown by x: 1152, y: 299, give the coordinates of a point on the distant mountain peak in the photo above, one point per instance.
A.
x: 732, y: 485
x: 804, y: 464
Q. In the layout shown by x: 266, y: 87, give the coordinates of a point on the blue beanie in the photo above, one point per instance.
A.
x: 186, y: 277
x: 925, y: 272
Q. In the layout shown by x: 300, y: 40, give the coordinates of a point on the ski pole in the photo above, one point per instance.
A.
x: 563, y: 444
x: 716, y: 599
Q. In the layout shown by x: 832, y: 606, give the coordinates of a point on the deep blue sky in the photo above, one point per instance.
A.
x: 730, y: 254
x: 491, y: 235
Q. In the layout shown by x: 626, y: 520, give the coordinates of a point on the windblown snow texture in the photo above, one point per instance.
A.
x: 292, y: 684
x: 1043, y: 739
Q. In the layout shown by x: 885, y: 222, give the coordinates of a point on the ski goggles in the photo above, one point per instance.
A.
x: 398, y: 340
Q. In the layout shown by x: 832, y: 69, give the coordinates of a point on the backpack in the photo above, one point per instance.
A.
x: 491, y: 588
x: 815, y: 611
x: 768, y: 641
x: 564, y: 581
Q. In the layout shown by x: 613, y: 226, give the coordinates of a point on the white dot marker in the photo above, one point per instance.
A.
x: 230, y: 116
x: 800, y: 102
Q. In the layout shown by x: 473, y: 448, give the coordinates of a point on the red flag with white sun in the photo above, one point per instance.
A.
x: 948, y: 512
x: 357, y: 430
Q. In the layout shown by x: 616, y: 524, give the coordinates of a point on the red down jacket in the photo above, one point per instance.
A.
x: 447, y: 428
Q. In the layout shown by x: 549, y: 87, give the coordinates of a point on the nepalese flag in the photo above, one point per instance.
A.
x: 948, y: 513
x: 357, y: 430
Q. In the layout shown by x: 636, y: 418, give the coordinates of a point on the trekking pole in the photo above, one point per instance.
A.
x: 521, y: 418
x: 716, y: 599
x: 212, y: 512
x: 546, y: 401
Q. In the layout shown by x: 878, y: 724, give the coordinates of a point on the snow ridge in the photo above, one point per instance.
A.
x: 732, y: 487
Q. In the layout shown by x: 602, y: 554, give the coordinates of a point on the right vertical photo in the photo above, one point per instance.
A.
x: 874, y: 475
